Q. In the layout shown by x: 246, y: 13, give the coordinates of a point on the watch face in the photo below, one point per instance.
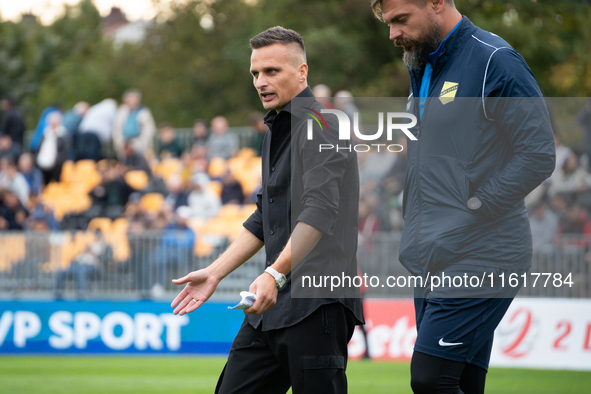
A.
x: 281, y: 281
x: 474, y: 203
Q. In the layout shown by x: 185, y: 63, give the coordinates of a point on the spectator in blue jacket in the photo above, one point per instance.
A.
x: 32, y: 174
x: 37, y: 137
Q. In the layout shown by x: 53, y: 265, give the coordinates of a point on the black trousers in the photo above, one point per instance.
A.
x: 310, y: 356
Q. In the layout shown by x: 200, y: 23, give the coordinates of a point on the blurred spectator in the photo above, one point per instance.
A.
x: 200, y: 133
x: 232, y: 192
x: 54, y: 148
x: 40, y: 216
x: 73, y: 117
x: 344, y: 102
x: 204, y: 203
x: 95, y: 130
x: 71, y: 121
x: 85, y: 265
x: 8, y: 149
x: 133, y: 211
x: 373, y: 166
x: 40, y: 129
x: 13, y: 120
x: 575, y: 223
x: 559, y: 202
x: 176, y: 196
x: 562, y: 153
x: 13, y: 180
x: 31, y: 173
x: 570, y: 178
x: 252, y: 199
x: 257, y: 121
x: 369, y: 223
x: 221, y: 142
x: 585, y: 121
x: 544, y: 227
x: 13, y: 213
x: 109, y: 198
x: 175, y: 250
x: 199, y: 160
x: 323, y: 95
x: 133, y: 160
x: 168, y: 144
x: 134, y: 123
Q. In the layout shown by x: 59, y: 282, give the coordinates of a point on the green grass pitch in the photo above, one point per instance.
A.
x: 196, y: 375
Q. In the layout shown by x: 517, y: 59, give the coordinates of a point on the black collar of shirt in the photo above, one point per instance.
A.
x: 297, y: 111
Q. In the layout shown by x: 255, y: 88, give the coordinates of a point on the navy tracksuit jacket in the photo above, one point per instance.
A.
x: 485, y: 132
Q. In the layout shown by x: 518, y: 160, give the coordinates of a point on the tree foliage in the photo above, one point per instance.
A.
x: 194, y: 62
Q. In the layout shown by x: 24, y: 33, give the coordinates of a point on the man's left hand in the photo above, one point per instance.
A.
x: 266, y: 290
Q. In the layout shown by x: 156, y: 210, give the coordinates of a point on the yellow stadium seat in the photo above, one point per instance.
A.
x: 216, y: 187
x: 137, y: 179
x: 12, y: 250
x: 67, y: 170
x: 152, y: 202
x: 120, y: 225
x: 246, y: 153
x: 167, y: 167
x: 216, y: 226
x: 248, y: 209
x: 203, y: 249
x: 229, y: 211
x: 217, y: 167
x: 85, y: 166
x: 103, y: 224
x: 120, y: 244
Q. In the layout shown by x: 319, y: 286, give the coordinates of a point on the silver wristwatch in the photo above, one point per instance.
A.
x: 280, y: 279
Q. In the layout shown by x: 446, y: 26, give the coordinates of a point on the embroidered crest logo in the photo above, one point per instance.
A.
x: 448, y: 92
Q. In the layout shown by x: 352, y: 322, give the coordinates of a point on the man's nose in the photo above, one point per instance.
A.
x: 260, y: 82
x: 395, y: 33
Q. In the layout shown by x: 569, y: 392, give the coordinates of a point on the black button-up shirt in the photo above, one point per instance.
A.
x: 320, y: 189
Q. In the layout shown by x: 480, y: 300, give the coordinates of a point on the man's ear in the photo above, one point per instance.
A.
x: 303, y: 72
x: 437, y: 5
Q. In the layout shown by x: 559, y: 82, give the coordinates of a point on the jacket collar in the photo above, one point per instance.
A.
x: 305, y: 99
x: 455, y: 41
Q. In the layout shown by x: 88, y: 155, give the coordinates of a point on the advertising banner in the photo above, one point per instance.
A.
x: 115, y: 327
x: 535, y: 333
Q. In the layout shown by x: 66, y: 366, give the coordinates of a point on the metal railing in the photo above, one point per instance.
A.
x: 567, y: 259
x: 75, y: 265
x: 133, y: 266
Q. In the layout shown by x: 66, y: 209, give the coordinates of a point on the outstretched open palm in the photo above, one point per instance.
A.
x: 200, y: 285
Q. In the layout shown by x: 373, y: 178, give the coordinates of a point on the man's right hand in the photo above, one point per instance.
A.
x: 200, y: 285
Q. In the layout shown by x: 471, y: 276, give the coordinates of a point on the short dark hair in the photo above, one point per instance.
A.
x: 278, y: 35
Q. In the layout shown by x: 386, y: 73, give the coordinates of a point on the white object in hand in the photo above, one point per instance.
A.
x: 246, y: 302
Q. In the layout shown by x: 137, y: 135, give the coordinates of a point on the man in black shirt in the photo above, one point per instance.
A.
x: 306, y: 218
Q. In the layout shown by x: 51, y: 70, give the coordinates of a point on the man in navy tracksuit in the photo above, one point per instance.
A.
x: 484, y: 141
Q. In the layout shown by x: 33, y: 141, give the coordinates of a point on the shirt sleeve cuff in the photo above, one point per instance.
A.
x: 254, y: 224
x: 318, y: 218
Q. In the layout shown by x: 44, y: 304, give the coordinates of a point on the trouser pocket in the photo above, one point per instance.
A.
x: 324, y: 374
